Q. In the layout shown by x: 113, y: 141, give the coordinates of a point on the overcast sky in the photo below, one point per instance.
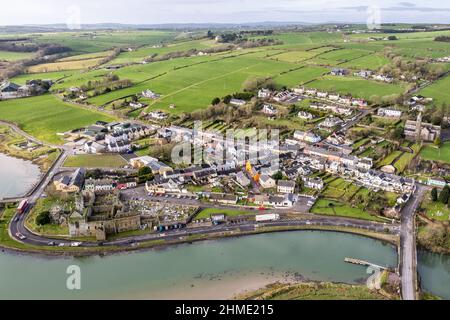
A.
x: 222, y: 11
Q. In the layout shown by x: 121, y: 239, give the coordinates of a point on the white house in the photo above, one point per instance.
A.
x: 387, y: 112
x: 242, y: 179
x: 285, y: 186
x: 150, y: 94
x: 93, y: 147
x: 305, y: 115
x: 269, y: 109
x: 264, y: 94
x: 237, y: 102
x: 334, y: 97
x: 314, y: 183
x: 99, y: 185
x: 267, y: 182
x: 331, y: 122
x: 307, y: 136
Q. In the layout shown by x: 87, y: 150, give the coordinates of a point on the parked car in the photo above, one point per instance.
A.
x: 75, y: 244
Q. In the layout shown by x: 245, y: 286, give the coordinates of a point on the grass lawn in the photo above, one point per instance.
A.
x: 314, y: 291
x: 433, y: 153
x: 206, y: 213
x: 95, y: 161
x: 435, y: 210
x: 356, y: 87
x: 64, y: 65
x: 15, y: 56
x: 389, y: 159
x: 322, y: 206
x: 45, y: 116
x: 49, y: 229
x: 438, y: 91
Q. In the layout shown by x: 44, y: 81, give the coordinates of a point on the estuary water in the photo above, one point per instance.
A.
x: 17, y: 176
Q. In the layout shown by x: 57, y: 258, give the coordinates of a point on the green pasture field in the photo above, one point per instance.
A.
x: 356, y: 87
x: 300, y: 76
x: 206, y: 213
x: 433, y: 153
x: 439, y: 91
x: 322, y: 206
x: 194, y: 87
x: 371, y: 62
x: 95, y: 161
x: 96, y: 41
x: 58, y: 75
x: 144, y: 52
x: 86, y: 56
x: 15, y: 56
x: 45, y: 116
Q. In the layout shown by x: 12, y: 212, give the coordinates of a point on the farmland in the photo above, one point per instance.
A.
x: 46, y: 116
x: 433, y: 153
x: 439, y: 91
x: 359, y: 88
x: 14, y: 56
x: 95, y: 161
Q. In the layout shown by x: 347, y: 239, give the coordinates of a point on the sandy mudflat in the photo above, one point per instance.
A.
x: 220, y: 287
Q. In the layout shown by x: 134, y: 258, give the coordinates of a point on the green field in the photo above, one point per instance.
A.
x: 322, y: 206
x: 206, y: 213
x: 23, y: 78
x: 435, y: 210
x: 372, y: 62
x: 46, y: 116
x: 96, y: 41
x: 439, y: 91
x: 433, y: 153
x: 95, y: 161
x: 356, y: 87
x: 15, y: 56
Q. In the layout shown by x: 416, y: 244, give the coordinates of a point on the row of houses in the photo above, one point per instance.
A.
x: 345, y: 100
x: 113, y: 137
x: 76, y: 182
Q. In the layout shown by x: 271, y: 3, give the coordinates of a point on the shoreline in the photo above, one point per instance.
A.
x: 157, y: 245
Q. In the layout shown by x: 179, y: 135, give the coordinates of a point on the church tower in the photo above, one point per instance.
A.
x: 419, y: 127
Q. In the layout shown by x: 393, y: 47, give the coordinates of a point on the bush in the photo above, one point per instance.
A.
x: 434, y: 195
x: 443, y: 196
x: 43, y: 218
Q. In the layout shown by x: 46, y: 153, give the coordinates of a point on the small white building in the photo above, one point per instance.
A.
x: 331, y: 122
x: 388, y: 112
x: 264, y: 94
x: 93, y: 147
x: 237, y: 102
x: 305, y: 115
x: 269, y: 109
x: 314, y: 183
x: 267, y: 182
x: 285, y: 186
x: 307, y: 136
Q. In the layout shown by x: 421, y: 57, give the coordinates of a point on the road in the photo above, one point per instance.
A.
x: 408, y: 254
x: 246, y: 226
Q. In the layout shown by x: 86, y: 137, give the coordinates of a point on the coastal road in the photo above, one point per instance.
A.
x: 408, y: 254
x: 246, y: 226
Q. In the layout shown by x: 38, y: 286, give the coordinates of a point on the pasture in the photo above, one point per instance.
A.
x: 433, y: 153
x: 10, y: 56
x: 439, y: 91
x: 357, y: 87
x: 45, y: 116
